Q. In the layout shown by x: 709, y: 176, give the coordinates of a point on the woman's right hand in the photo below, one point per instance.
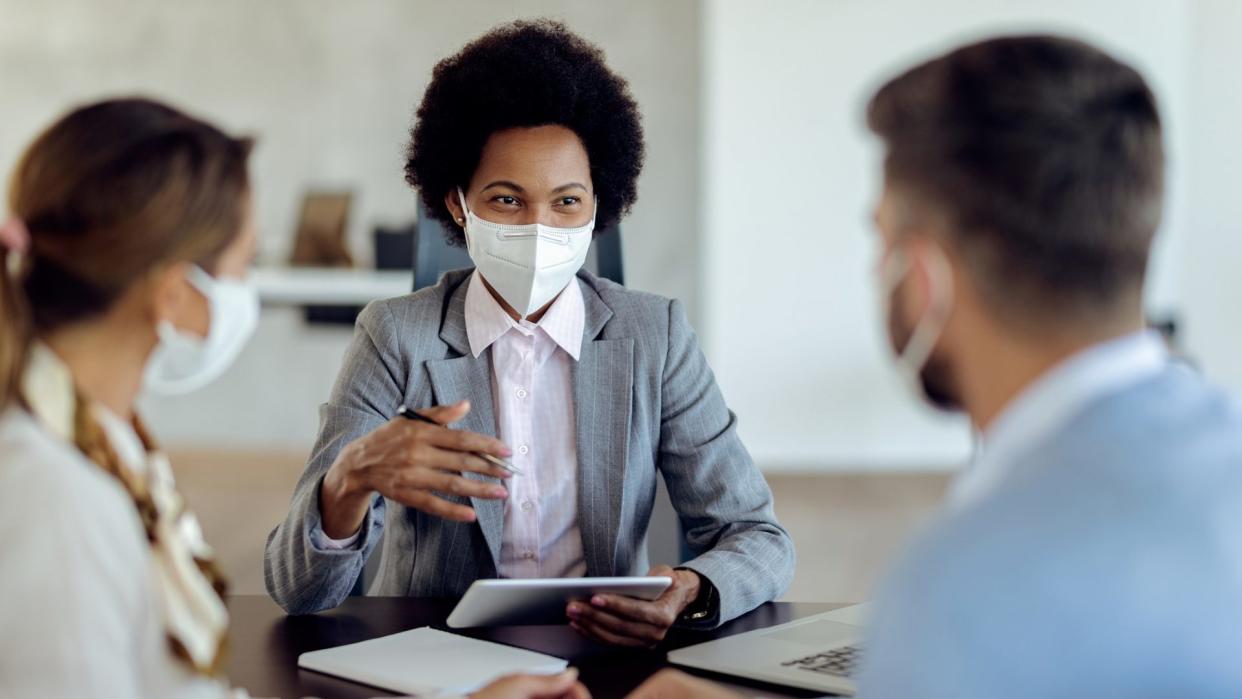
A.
x: 410, y: 462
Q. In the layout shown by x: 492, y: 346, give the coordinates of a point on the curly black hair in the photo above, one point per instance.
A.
x: 526, y: 73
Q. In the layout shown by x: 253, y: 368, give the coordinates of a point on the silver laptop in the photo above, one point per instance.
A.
x: 819, y: 652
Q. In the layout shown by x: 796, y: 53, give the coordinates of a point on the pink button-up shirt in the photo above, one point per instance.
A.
x: 534, y: 403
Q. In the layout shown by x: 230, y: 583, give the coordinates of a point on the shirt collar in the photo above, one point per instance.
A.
x: 487, y: 322
x: 1051, y: 401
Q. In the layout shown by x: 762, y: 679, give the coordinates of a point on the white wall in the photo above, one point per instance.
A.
x: 754, y: 121
x: 330, y: 88
x: 790, y: 174
x: 1211, y: 290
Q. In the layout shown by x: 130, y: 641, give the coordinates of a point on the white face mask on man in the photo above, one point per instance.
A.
x: 912, y: 358
x: 527, y: 265
x: 182, y: 361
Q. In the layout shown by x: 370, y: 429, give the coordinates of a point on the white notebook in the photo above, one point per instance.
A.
x: 427, y: 662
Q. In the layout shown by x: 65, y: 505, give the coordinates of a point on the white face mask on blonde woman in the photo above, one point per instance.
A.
x: 185, y: 362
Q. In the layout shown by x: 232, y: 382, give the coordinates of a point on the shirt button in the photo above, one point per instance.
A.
x: 529, y: 555
x: 528, y: 506
x: 523, y: 450
x: 521, y: 393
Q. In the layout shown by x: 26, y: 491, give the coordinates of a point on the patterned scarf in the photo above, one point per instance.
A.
x: 190, y: 586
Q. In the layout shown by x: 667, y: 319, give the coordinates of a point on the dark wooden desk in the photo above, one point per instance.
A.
x: 265, y: 644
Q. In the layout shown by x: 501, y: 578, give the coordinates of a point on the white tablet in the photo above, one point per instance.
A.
x: 541, y: 601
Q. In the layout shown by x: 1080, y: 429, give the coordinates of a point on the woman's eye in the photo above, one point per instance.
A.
x: 506, y: 200
x: 569, y: 201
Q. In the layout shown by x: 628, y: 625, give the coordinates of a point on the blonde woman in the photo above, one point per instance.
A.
x: 123, y: 269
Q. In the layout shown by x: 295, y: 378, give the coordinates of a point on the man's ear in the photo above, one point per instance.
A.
x: 917, y: 289
x: 454, y: 207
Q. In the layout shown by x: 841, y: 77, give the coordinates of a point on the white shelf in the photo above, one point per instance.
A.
x: 314, y: 286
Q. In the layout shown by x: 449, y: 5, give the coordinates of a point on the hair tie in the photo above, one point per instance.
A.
x: 14, y: 237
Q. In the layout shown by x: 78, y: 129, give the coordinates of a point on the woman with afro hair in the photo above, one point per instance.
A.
x: 526, y: 143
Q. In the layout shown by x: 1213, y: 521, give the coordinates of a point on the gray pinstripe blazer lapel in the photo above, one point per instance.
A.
x: 468, y: 378
x: 603, y: 384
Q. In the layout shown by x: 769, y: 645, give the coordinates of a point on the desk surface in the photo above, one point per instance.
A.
x: 265, y: 644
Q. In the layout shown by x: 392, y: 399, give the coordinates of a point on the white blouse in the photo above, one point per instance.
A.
x: 78, y: 599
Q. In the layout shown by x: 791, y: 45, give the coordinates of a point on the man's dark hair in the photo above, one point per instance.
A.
x: 1044, y: 156
x: 526, y: 73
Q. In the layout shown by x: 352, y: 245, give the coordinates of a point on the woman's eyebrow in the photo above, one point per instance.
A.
x: 571, y: 185
x: 505, y: 183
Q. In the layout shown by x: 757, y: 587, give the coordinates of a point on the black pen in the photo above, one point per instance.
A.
x: 409, y: 414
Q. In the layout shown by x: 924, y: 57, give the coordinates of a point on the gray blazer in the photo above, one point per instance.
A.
x: 646, y: 402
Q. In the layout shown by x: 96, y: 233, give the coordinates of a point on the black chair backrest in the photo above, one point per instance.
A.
x: 433, y: 256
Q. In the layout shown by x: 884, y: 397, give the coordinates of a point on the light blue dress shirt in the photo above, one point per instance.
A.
x: 1094, y: 550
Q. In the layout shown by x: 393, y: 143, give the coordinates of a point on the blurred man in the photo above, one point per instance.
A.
x: 1095, y: 546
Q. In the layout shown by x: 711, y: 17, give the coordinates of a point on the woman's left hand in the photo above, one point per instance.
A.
x: 625, y: 621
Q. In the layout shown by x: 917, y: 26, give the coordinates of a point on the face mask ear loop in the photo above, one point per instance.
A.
x: 918, y: 349
x: 201, y: 280
x: 892, y: 271
x: 461, y: 199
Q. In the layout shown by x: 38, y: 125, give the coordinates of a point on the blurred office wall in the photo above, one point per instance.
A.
x: 791, y: 312
x: 330, y: 88
x: 1210, y: 284
x: 754, y: 206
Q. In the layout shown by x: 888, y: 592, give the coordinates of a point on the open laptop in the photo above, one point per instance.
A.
x: 819, y: 652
